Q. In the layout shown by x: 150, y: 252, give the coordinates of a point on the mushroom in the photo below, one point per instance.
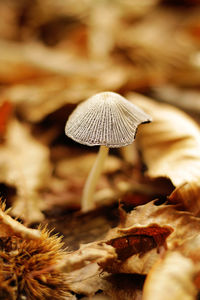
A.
x: 106, y: 119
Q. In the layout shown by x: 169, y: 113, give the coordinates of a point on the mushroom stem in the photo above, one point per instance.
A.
x: 91, y: 182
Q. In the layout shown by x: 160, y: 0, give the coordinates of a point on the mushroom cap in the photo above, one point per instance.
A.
x: 105, y: 119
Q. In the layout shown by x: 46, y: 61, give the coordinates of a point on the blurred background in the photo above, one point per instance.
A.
x: 55, y: 54
x: 58, y: 52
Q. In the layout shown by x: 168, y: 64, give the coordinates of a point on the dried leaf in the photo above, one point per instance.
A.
x: 145, y: 233
x: 85, y: 281
x: 89, y: 253
x: 11, y: 227
x: 188, y: 195
x: 83, y: 269
x: 171, y: 278
x: 25, y: 165
x: 170, y: 148
x: 170, y: 145
x: 5, y: 113
x: 133, y: 246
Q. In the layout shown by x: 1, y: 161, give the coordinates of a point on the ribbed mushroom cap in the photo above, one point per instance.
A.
x: 105, y: 119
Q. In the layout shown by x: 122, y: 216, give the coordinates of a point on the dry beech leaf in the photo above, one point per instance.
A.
x: 10, y: 227
x: 85, y: 281
x: 172, y: 277
x: 170, y: 144
x: 170, y: 147
x: 135, y: 248
x: 188, y: 194
x: 83, y: 269
x: 145, y: 232
x: 5, y: 113
x: 24, y: 165
x: 184, y: 224
x: 88, y: 253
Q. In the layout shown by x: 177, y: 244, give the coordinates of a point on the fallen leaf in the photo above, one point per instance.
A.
x: 148, y: 231
x: 188, y: 195
x: 172, y: 277
x: 5, y: 114
x: 11, y: 227
x: 134, y: 247
x: 88, y: 253
x: 170, y: 148
x: 24, y: 165
x: 83, y: 269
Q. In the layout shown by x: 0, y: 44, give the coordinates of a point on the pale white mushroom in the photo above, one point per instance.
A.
x: 106, y: 119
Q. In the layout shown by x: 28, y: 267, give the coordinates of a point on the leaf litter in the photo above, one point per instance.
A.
x: 142, y: 240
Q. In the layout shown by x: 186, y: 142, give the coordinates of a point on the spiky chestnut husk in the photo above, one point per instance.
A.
x: 29, y: 268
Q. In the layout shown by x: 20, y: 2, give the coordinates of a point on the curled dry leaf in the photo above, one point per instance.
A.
x: 5, y: 113
x: 11, y: 227
x: 171, y: 278
x: 85, y: 281
x: 170, y: 148
x: 24, y: 165
x: 89, y: 253
x: 145, y: 233
x: 83, y: 269
x: 188, y: 194
x: 135, y: 247
x: 184, y: 224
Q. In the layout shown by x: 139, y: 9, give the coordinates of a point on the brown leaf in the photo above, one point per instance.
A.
x: 139, y: 240
x: 82, y: 267
x: 171, y: 278
x: 135, y: 243
x: 89, y: 253
x: 10, y: 227
x: 5, y: 112
x: 170, y: 147
x: 188, y: 195
x: 146, y: 232
x: 25, y: 165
